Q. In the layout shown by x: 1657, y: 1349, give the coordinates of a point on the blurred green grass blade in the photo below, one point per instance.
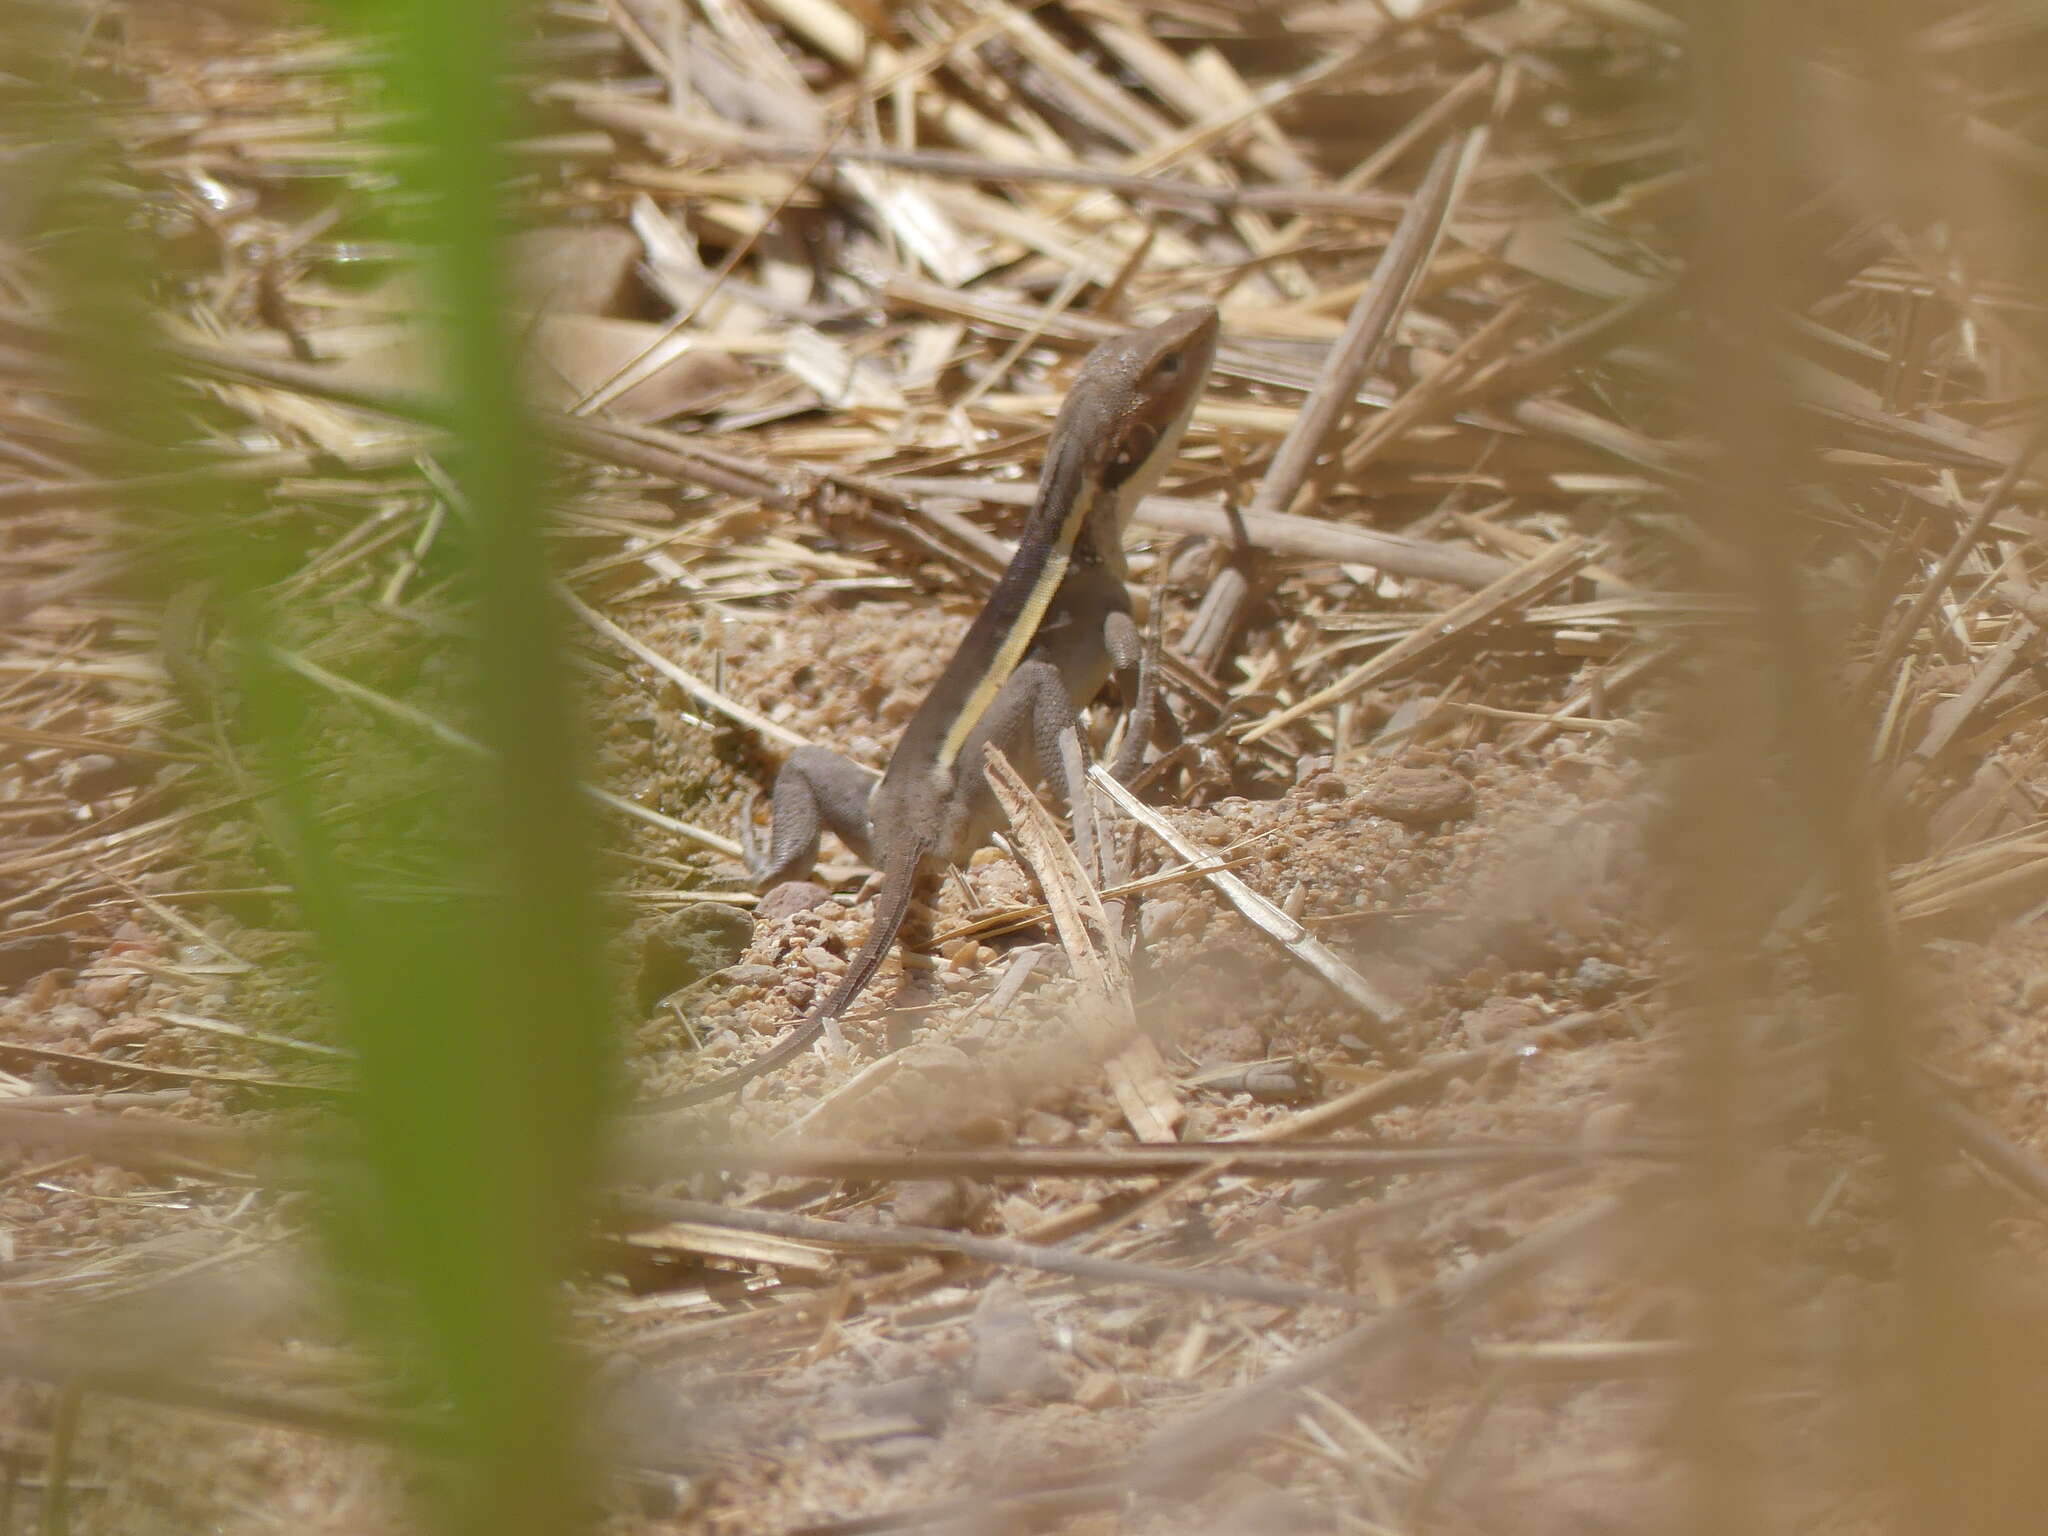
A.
x: 479, y: 1018
x: 475, y: 998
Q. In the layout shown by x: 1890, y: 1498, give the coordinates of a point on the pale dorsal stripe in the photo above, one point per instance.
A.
x: 1023, y: 631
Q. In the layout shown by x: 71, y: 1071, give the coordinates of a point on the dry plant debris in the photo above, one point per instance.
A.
x: 803, y: 283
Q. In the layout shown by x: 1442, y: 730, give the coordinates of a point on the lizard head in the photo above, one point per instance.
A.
x: 1139, y: 391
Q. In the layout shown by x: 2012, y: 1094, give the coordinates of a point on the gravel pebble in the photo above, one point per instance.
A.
x: 949, y: 1203
x: 1009, y: 1360
x: 92, y: 775
x: 779, y: 903
x: 25, y: 959
x: 1596, y: 981
x: 682, y: 947
x: 1419, y: 797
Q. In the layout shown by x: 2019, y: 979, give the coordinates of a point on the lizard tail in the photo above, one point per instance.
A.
x: 892, y: 905
x: 899, y: 885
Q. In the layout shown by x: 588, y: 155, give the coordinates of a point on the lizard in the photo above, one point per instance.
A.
x: 1057, y: 625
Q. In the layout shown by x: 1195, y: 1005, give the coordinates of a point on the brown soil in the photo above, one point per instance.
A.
x: 176, y: 1360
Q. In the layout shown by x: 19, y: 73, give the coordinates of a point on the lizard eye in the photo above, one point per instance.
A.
x: 1167, y: 367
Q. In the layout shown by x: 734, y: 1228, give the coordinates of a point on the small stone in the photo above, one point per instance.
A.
x: 1571, y: 770
x: 106, y: 993
x: 1329, y: 787
x: 664, y: 1496
x: 71, y: 1020
x: 686, y: 946
x: 121, y: 1033
x: 1099, y: 1390
x: 1160, y: 917
x: 25, y: 959
x: 231, y: 839
x: 1499, y: 1017
x: 949, y: 1203
x: 1605, y: 1125
x: 1229, y: 1044
x: 983, y: 1128
x: 937, y: 1060
x: 1047, y: 1129
x: 1019, y: 1215
x: 924, y: 1398
x: 896, y: 1453
x: 969, y: 955
x: 1009, y: 1360
x: 1285, y: 1081
x: 822, y: 961
x: 1312, y: 765
x: 264, y: 944
x: 92, y: 775
x: 779, y: 903
x: 1596, y: 981
x: 584, y: 269
x: 1419, y: 797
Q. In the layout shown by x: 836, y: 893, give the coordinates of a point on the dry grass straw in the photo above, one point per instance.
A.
x: 821, y: 273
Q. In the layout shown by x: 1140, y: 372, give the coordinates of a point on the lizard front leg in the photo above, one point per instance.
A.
x: 815, y: 789
x: 1135, y: 665
x: 1034, y: 722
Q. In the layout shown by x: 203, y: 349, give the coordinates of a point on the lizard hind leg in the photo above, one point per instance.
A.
x: 816, y: 789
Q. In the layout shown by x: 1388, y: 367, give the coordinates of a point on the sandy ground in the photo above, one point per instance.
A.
x: 1517, y: 898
